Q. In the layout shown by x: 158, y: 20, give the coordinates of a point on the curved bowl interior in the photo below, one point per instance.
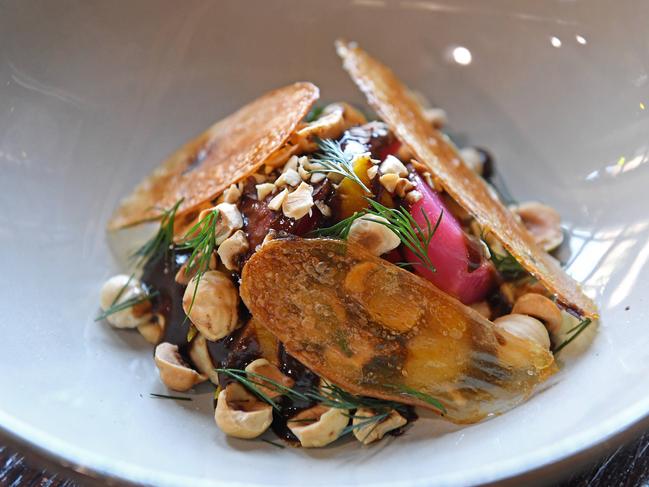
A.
x: 93, y: 95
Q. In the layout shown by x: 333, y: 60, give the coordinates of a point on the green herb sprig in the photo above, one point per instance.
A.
x: 333, y: 159
x: 201, y: 239
x: 165, y: 396
x: 506, y: 264
x: 411, y: 234
x: 576, y: 331
x: 162, y: 240
x: 314, y: 114
x: 331, y: 396
x: 400, y: 222
x: 116, y: 306
x: 340, y: 230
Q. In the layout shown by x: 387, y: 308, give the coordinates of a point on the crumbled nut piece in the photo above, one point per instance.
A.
x: 264, y: 189
x: 276, y: 203
x: 392, y: 165
x: 389, y: 181
x: 228, y: 222
x: 317, y: 177
x: 403, y: 186
x: 396, y: 185
x: 232, y: 194
x: 298, y: 203
x: 290, y: 177
x: 324, y: 209
x: 372, y: 171
x: 304, y: 174
x: 291, y: 164
x: 413, y: 196
x: 370, y: 232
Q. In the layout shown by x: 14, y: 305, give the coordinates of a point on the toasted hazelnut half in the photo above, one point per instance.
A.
x: 153, y: 330
x: 526, y: 328
x: 370, y: 232
x: 229, y: 251
x: 318, y: 425
x: 119, y: 289
x: 541, y: 308
x: 201, y: 358
x: 240, y: 414
x: 174, y: 372
x: 263, y: 367
x: 543, y: 222
x: 215, y: 308
x: 367, y: 431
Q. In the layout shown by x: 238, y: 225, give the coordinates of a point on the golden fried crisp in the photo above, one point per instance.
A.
x: 377, y: 330
x: 391, y: 100
x: 225, y: 153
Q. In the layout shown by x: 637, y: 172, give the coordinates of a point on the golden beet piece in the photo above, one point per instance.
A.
x: 377, y: 330
x: 391, y: 100
x: 225, y: 153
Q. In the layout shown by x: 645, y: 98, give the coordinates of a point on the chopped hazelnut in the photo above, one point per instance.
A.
x: 298, y: 203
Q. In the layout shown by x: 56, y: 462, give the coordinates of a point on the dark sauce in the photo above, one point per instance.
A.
x: 304, y: 380
x: 374, y: 137
x: 159, y: 275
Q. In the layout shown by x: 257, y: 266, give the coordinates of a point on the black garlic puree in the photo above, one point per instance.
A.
x: 239, y: 348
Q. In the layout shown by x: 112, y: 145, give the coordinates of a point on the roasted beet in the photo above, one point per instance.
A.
x: 460, y: 268
x: 258, y: 219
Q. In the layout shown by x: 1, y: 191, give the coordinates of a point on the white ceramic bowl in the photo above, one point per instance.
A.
x: 94, y: 94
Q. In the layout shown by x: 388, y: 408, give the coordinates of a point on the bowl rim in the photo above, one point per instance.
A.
x: 582, y: 448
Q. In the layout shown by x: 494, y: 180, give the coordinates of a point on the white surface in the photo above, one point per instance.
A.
x: 94, y: 94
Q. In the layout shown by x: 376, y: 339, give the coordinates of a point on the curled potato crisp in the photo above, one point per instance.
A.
x: 377, y: 330
x: 226, y: 152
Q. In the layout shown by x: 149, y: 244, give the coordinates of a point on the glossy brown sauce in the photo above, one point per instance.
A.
x: 159, y: 274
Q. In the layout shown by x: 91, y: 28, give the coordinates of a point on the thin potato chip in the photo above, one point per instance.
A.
x: 378, y: 330
x: 228, y: 151
x: 390, y: 98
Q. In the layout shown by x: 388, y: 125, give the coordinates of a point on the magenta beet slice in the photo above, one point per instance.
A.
x: 460, y: 269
